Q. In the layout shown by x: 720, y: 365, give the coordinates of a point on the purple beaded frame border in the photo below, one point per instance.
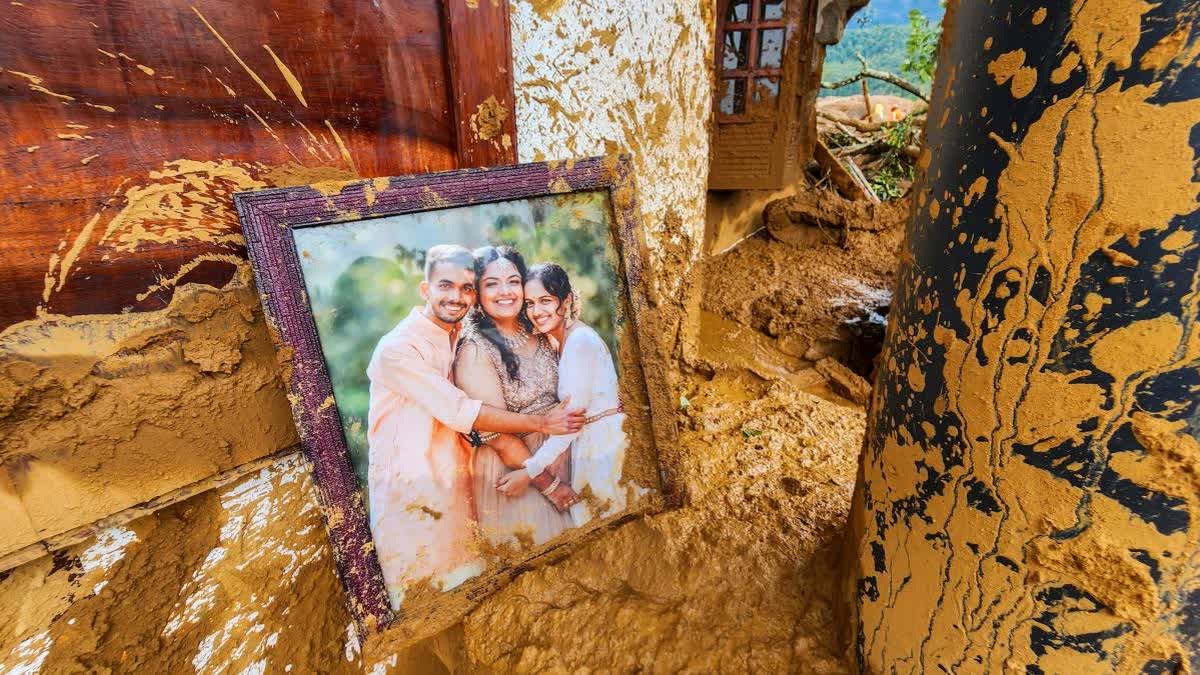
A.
x: 268, y: 218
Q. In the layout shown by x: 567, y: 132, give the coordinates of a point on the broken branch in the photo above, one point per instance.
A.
x: 867, y: 127
x: 882, y: 76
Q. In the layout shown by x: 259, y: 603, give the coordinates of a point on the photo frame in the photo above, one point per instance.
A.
x: 274, y: 219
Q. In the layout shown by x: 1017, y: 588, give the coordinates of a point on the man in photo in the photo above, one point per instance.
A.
x: 418, y: 475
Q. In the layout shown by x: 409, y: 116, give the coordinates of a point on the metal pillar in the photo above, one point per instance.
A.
x: 1029, y: 494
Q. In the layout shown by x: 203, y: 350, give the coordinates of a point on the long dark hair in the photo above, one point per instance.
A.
x: 554, y: 278
x: 480, y: 323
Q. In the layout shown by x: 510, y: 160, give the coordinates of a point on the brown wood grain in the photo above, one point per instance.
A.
x: 480, y: 67
x: 97, y: 97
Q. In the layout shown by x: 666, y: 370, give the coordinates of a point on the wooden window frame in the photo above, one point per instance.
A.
x: 752, y: 25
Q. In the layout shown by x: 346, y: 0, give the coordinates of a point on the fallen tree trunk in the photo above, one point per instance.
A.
x: 844, y: 173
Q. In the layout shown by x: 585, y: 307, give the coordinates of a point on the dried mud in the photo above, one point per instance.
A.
x: 744, y: 575
x: 88, y: 405
x: 800, y: 295
x: 741, y: 578
x: 241, y: 577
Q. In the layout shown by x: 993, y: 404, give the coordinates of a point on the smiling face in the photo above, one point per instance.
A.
x: 449, y: 291
x: 501, y: 294
x: 544, y: 310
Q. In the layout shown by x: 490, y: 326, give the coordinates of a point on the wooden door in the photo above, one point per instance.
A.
x: 764, y: 100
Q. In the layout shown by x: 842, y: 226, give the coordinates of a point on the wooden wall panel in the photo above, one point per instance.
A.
x: 125, y: 128
x: 96, y: 96
x: 478, y: 41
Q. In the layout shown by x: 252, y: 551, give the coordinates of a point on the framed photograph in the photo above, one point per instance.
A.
x: 470, y: 370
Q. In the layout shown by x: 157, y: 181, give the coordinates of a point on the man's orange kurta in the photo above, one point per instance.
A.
x: 419, y: 486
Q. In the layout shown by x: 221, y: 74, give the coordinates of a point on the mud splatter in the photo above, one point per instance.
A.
x: 488, y: 120
x: 342, y: 147
x: 240, y: 579
x: 249, y: 71
x: 289, y: 77
x: 1005, y: 517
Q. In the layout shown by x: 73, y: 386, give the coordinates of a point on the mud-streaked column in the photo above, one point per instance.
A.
x: 1030, y: 484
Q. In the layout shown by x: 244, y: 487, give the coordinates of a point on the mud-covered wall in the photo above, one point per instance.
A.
x: 1029, y: 493
x: 241, y: 577
x: 594, y: 78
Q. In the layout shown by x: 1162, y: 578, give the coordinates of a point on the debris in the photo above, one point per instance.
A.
x: 816, y: 217
x: 884, y: 143
x: 845, y: 382
x: 844, y: 174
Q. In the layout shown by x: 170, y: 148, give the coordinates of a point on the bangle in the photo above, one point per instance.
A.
x: 552, y: 487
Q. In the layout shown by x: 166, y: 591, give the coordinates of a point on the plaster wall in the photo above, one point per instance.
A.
x: 594, y: 78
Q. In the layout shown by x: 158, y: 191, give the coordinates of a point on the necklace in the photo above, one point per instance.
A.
x: 514, y: 342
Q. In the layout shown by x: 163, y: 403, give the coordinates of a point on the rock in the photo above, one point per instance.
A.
x: 844, y: 381
x: 822, y: 349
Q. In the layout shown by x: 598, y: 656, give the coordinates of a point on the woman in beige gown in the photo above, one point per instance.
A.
x: 502, y: 362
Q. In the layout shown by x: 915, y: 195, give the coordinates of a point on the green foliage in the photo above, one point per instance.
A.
x: 920, y: 50
x: 366, y: 301
x: 899, y: 135
x: 894, y: 166
x: 576, y: 238
x: 887, y: 45
x: 886, y: 181
x: 373, y: 294
x: 881, y: 45
x: 839, y: 139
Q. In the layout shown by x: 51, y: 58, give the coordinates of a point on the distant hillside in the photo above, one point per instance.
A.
x: 878, y: 32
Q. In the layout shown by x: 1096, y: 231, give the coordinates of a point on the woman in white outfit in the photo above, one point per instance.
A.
x: 587, y: 376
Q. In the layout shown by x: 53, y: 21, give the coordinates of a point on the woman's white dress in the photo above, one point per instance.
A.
x: 586, y: 373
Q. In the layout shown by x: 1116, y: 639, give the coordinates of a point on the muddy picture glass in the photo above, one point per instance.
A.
x: 483, y: 398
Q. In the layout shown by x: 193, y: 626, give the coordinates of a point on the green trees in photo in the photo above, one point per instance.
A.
x: 374, y: 293
x: 576, y: 237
